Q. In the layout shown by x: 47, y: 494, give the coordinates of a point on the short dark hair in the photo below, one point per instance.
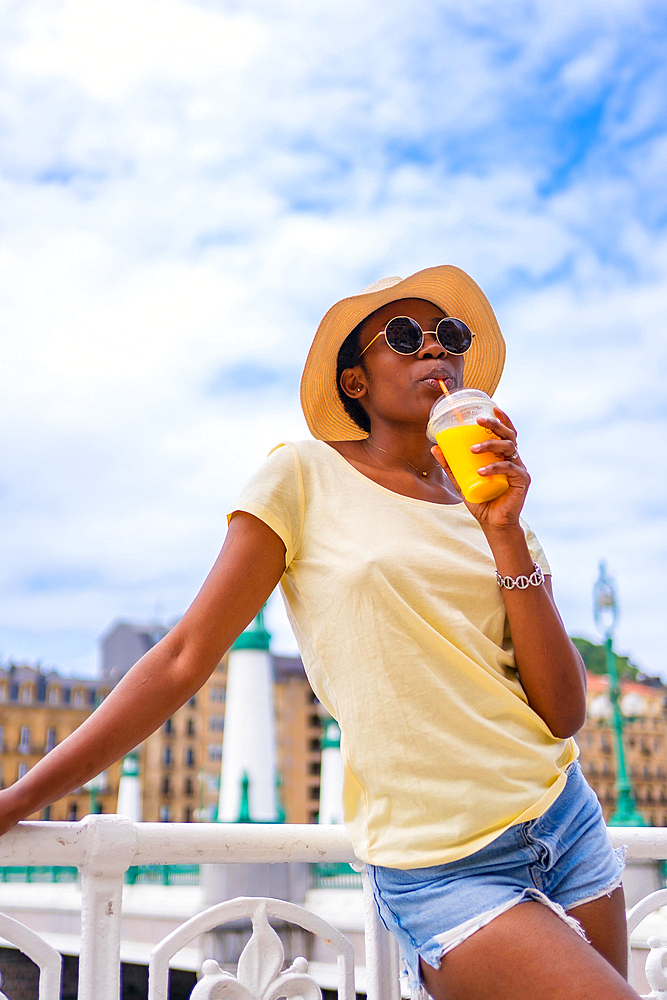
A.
x: 348, y: 357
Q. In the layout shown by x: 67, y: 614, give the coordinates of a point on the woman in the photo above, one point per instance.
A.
x: 457, y: 695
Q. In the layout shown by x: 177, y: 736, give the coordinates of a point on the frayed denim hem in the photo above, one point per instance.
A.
x: 621, y: 854
x: 434, y: 950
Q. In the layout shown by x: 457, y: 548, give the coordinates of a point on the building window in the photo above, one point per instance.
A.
x: 3, y: 692
x: 50, y: 739
x: 189, y: 787
x: 165, y: 787
x: 216, y: 723
x: 216, y: 692
x: 191, y: 727
x: 24, y: 742
x: 189, y: 757
x: 46, y: 813
x: 2, y: 739
x: 23, y: 770
x: 167, y: 758
x: 187, y: 815
x: 314, y: 792
x: 193, y: 702
x: 71, y: 812
x: 54, y: 695
x: 26, y: 694
x: 214, y: 752
x: 79, y: 699
x: 168, y: 727
x: 164, y: 814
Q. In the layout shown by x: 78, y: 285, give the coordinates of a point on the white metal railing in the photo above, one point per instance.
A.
x: 104, y: 847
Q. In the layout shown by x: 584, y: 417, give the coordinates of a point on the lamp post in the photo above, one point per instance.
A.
x: 605, y: 612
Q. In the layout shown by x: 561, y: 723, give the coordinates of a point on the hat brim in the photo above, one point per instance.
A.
x: 447, y: 287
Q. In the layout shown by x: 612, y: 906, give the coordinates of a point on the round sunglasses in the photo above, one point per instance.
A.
x: 405, y: 336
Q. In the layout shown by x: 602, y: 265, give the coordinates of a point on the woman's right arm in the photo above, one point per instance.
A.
x: 249, y: 566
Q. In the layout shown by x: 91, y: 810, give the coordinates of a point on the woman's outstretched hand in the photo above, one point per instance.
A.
x: 504, y: 510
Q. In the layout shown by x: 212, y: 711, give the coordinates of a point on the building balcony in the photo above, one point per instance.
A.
x: 105, y: 869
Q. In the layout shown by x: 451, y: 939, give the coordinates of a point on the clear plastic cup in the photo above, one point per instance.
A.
x: 453, y: 426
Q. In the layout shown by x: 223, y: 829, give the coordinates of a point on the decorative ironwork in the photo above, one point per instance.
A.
x: 42, y: 954
x: 103, y: 847
x: 258, y: 975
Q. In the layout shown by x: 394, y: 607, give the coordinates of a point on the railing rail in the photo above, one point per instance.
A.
x: 104, y: 847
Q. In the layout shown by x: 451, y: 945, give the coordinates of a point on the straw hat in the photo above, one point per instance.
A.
x: 447, y: 287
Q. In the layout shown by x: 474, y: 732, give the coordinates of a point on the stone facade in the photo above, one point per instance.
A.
x: 644, y: 741
x: 179, y: 765
x: 37, y: 711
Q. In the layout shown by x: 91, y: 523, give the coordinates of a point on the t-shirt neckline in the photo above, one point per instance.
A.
x: 383, y: 489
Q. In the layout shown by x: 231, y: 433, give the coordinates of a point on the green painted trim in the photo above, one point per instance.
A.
x: 255, y: 636
x: 330, y: 737
x: 130, y: 765
x: 244, y: 807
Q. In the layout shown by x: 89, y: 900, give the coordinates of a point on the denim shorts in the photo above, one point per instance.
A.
x: 562, y: 859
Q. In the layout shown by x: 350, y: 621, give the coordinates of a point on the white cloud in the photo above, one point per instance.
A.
x: 187, y: 187
x: 108, y: 50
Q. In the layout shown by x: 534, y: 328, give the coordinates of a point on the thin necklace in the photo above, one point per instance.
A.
x: 399, y: 459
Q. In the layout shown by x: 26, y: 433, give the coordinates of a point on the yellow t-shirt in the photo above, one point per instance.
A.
x: 403, y: 634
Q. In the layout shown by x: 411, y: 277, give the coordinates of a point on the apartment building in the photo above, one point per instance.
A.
x: 37, y: 711
x: 179, y: 765
x: 644, y: 706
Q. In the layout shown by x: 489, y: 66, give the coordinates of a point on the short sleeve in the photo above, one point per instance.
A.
x: 535, y: 549
x: 275, y: 495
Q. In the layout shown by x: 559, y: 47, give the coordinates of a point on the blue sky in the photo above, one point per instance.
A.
x: 186, y: 187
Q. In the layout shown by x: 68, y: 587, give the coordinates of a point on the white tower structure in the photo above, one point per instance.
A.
x: 331, y: 774
x: 129, y: 788
x: 248, y: 783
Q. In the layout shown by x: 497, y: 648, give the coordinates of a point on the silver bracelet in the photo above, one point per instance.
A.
x: 535, y: 579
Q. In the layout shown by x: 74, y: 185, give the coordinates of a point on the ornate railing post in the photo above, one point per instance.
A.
x: 382, y: 961
x: 109, y: 852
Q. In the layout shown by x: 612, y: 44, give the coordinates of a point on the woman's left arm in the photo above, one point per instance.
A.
x: 551, y: 670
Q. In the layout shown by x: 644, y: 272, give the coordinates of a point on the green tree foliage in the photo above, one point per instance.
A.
x: 594, y: 658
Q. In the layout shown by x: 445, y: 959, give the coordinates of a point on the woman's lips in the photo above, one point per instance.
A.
x: 435, y: 382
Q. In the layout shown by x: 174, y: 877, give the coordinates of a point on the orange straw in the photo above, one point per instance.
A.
x: 448, y: 393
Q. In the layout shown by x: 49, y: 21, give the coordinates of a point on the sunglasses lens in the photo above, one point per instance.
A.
x: 454, y: 336
x: 403, y: 335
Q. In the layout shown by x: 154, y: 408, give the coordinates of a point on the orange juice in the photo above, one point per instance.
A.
x: 455, y: 443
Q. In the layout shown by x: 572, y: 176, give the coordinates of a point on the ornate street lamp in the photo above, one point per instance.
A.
x: 605, y: 612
